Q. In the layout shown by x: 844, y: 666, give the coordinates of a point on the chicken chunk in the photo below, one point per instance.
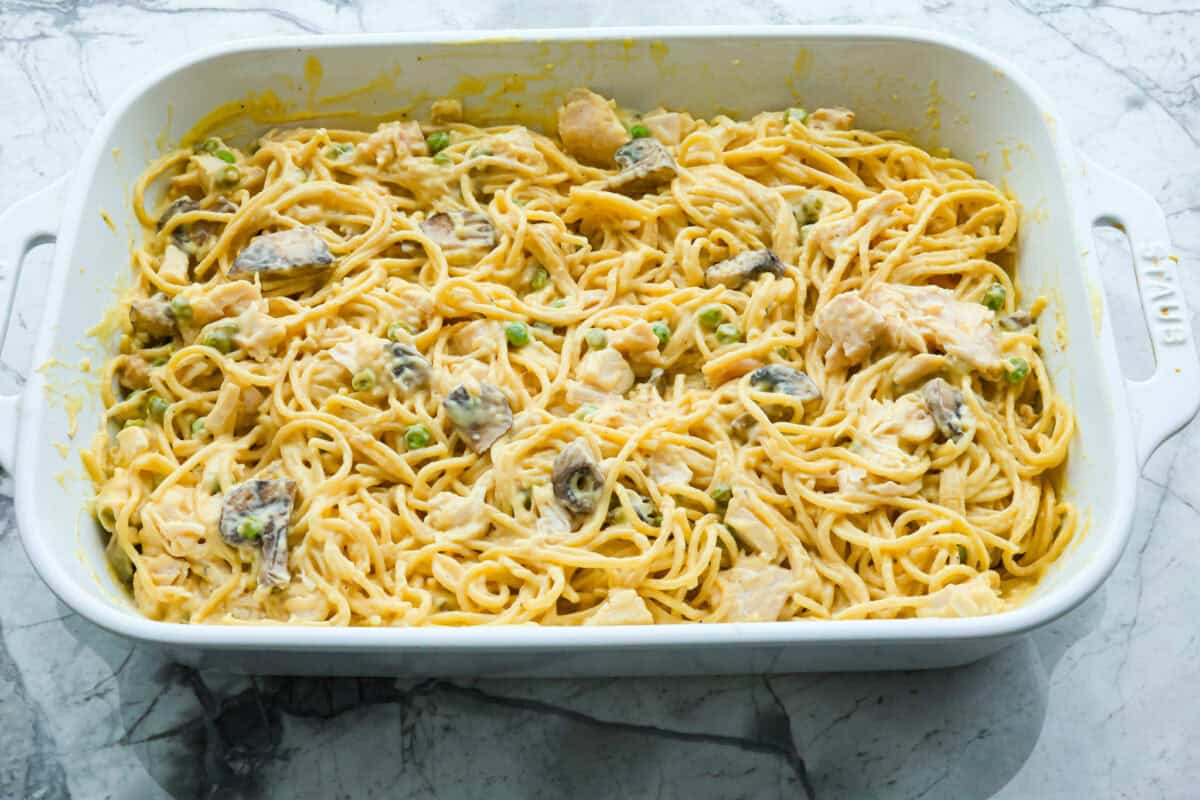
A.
x: 757, y: 589
x: 831, y: 119
x: 606, y: 370
x: 851, y: 326
x: 621, y: 607
x: 394, y: 141
x: 973, y: 598
x: 590, y: 129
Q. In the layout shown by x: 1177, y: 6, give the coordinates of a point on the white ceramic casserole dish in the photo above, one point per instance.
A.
x: 946, y: 92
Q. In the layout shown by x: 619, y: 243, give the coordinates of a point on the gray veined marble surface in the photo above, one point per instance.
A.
x: 1101, y: 704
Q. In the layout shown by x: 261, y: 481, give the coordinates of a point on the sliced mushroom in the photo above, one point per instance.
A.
x: 1016, y: 320
x: 460, y: 230
x: 949, y: 409
x: 256, y: 513
x: 195, y: 238
x: 153, y: 316
x: 408, y: 368
x: 744, y: 267
x: 644, y: 508
x: 480, y: 419
x: 283, y: 253
x: 645, y: 164
x: 576, y: 478
x: 782, y: 379
x: 743, y: 426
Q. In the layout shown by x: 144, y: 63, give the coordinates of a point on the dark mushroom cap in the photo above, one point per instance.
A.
x: 577, y: 479
x: 782, y: 379
x: 283, y: 252
x: 460, y: 229
x: 947, y: 406
x: 268, y: 502
x: 644, y: 163
x: 408, y: 368
x: 480, y: 419
x: 743, y: 268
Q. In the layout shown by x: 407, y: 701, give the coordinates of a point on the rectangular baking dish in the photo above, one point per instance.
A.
x: 945, y: 92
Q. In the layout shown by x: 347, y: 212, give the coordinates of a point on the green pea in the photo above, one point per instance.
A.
x: 417, y: 436
x: 962, y: 554
x: 993, y: 298
x: 586, y: 411
x: 1015, y: 370
x: 559, y: 302
x: 783, y: 352
x: 639, y: 131
x: 797, y: 114
x: 337, y: 150
x: 596, y: 339
x: 250, y: 528
x: 517, y: 333
x: 809, y: 209
x: 134, y: 423
x: 728, y: 333
x: 541, y: 277
x: 156, y: 407
x: 363, y: 380
x: 198, y: 427
x: 663, y: 331
x: 443, y: 159
x: 437, y: 141
x: 396, y: 331
x: 210, y: 145
x: 226, y: 156
x: 219, y: 339
x: 229, y: 176
x: 180, y: 307
x: 721, y: 493
x: 710, y: 316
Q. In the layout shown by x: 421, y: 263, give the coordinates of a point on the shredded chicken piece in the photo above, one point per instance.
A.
x: 757, y: 589
x: 131, y: 443
x: 868, y: 221
x: 259, y: 334
x: 357, y: 350
x: 184, y: 517
x: 973, y: 598
x: 922, y: 318
x: 831, y: 119
x: 590, y: 128
x: 621, y: 607
x: 606, y: 370
x: 851, y: 326
x: 668, y: 468
x: 637, y: 341
x: 479, y: 338
x: 393, y: 141
x: 459, y: 518
x: 668, y: 127
x: 745, y: 515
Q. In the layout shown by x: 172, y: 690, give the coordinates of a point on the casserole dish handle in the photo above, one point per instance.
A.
x: 23, y: 225
x: 1168, y: 399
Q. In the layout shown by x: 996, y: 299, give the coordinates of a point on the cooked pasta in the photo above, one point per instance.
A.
x: 652, y: 369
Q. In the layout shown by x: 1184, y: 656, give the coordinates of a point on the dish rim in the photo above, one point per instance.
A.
x: 1035, y: 613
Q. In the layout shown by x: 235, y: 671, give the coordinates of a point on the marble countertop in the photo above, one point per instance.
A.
x: 1099, y: 704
